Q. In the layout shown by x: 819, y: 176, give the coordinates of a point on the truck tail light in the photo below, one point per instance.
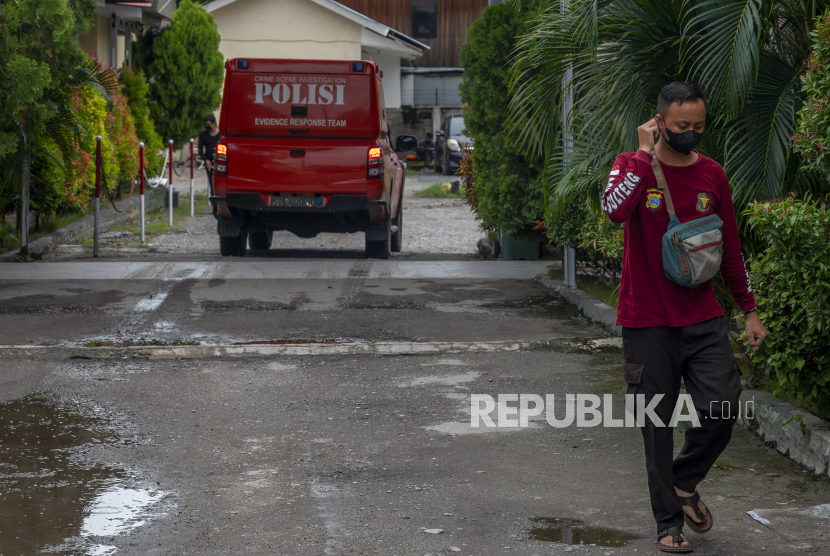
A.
x: 220, y: 160
x: 375, y: 164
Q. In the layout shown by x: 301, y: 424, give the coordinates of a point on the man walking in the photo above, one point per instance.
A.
x: 671, y: 332
x: 426, y: 150
x: 208, y: 139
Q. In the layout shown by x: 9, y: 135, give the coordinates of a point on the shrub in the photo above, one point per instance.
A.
x: 508, y: 186
x: 602, y: 243
x: 186, y: 73
x: 121, y: 131
x: 812, y: 140
x: 567, y: 228
x: 792, y: 283
x: 75, y: 183
x: 468, y: 177
x: 136, y: 90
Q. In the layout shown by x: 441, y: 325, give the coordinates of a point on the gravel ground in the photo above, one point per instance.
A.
x: 443, y: 225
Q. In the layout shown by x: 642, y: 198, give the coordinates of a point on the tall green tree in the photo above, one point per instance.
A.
x: 185, y: 73
x: 40, y: 61
x: 748, y: 53
x: 509, y: 183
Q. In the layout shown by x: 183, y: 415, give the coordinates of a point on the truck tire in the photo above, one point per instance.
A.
x: 260, y: 241
x: 234, y: 246
x: 380, y: 249
x: 396, y: 235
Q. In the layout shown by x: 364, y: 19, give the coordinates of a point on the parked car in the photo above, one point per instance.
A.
x: 451, y: 142
x: 306, y: 148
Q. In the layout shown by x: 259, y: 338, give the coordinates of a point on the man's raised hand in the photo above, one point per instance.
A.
x: 647, y: 133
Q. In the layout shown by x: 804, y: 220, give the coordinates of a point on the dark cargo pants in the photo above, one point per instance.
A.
x: 656, y: 358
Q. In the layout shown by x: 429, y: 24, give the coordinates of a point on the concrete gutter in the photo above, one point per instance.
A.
x: 811, y: 450
x: 590, y: 306
x: 760, y: 411
x: 84, y: 228
x: 161, y: 352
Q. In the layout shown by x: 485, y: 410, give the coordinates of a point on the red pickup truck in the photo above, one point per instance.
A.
x: 306, y: 148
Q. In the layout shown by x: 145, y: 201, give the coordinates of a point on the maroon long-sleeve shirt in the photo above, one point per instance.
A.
x: 647, y: 297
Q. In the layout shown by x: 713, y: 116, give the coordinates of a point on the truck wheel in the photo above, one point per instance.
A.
x: 234, y: 246
x: 260, y: 240
x: 396, y: 234
x: 380, y: 249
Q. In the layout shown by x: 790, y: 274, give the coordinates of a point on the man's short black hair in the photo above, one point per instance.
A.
x: 429, y: 135
x: 210, y: 118
x: 679, y: 92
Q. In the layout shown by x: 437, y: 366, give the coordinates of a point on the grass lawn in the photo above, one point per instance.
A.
x: 439, y: 190
x: 157, y: 221
x: 46, y: 228
x: 590, y: 284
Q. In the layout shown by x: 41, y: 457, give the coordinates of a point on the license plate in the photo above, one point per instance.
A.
x: 293, y: 202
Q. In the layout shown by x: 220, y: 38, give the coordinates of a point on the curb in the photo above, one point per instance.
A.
x: 591, y: 307
x: 812, y: 450
x: 768, y: 414
x: 270, y: 350
x: 85, y: 227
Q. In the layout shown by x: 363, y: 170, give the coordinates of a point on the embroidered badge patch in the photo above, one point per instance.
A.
x: 654, y: 199
x: 704, y: 202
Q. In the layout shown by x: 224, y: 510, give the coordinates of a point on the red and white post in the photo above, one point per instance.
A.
x: 170, y: 184
x: 141, y: 184
x: 192, y: 204
x: 97, y: 195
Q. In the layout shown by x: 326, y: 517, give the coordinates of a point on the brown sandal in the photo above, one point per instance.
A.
x: 707, y: 519
x: 676, y: 537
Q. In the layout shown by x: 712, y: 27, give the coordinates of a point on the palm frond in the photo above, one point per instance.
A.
x: 758, y: 143
x: 94, y: 74
x: 723, y: 40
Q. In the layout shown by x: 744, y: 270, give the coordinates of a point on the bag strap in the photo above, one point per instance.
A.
x: 661, y: 181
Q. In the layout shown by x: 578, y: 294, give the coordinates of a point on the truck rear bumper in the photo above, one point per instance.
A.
x: 253, y: 202
x: 336, y: 214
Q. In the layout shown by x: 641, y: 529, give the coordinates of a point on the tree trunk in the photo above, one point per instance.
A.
x: 24, y: 206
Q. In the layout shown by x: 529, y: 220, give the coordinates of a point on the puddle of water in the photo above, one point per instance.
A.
x: 45, y: 488
x: 574, y: 531
x: 117, y: 509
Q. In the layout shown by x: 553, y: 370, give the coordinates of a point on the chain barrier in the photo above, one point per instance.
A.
x: 107, y: 192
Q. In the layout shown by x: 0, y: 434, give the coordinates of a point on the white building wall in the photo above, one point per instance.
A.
x: 407, y: 89
x: 391, y: 68
x: 285, y: 29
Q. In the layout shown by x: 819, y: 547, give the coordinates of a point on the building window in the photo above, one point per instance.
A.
x: 424, y: 19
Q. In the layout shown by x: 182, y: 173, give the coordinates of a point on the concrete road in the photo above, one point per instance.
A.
x: 230, y: 411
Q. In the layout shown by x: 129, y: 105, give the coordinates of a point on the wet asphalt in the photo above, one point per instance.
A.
x: 343, y: 454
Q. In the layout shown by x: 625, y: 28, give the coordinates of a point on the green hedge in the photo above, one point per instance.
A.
x: 812, y: 140
x: 136, y: 90
x: 792, y: 288
x: 508, y: 185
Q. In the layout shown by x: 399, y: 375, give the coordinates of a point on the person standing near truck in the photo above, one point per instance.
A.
x: 208, y: 140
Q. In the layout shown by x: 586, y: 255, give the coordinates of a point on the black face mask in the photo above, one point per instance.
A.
x: 683, y: 142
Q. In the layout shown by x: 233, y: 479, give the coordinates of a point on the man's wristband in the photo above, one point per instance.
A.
x: 751, y: 310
